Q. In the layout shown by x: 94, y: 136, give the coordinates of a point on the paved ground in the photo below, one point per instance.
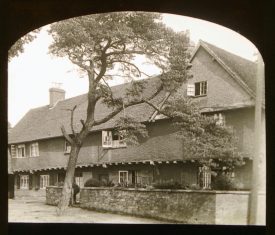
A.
x: 35, y: 210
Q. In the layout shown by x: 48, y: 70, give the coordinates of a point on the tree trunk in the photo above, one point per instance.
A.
x: 67, y: 188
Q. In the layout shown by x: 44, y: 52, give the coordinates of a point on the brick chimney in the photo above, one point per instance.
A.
x: 56, y: 94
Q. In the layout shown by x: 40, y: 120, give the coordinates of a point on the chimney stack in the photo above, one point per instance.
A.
x: 56, y: 94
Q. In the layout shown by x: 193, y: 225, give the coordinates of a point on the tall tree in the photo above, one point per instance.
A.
x: 103, y: 43
x: 105, y: 46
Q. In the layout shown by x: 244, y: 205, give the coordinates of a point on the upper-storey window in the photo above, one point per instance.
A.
x: 18, y: 151
x: 112, y: 139
x: 34, y: 150
x: 67, y: 147
x: 220, y: 119
x: 197, y: 89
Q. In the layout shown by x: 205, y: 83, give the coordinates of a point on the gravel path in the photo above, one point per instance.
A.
x: 36, y: 211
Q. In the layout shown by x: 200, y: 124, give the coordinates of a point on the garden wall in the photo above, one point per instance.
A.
x: 183, y: 206
x: 53, y: 194
x: 26, y: 193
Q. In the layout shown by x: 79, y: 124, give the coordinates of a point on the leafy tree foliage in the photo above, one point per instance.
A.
x: 18, y: 46
x: 203, y: 139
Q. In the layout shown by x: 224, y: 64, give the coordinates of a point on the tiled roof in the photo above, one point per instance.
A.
x: 45, y: 122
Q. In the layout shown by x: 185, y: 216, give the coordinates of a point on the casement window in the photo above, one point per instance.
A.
x: 44, y: 181
x: 13, y: 151
x: 67, y: 147
x: 18, y: 151
x: 220, y: 119
x: 123, y: 177
x: 24, y: 181
x: 190, y: 89
x: 34, y: 150
x: 21, y: 151
x: 197, y: 89
x: 112, y: 139
x: 204, y: 177
x: 200, y: 88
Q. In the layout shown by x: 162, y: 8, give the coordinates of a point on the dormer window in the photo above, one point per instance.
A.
x: 113, y: 139
x: 34, y: 150
x: 197, y: 89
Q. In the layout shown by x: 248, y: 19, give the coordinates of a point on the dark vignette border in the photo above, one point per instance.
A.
x: 252, y: 19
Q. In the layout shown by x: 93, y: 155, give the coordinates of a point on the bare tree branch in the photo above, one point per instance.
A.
x: 82, y: 122
x: 72, y: 120
x: 125, y: 52
x: 158, y: 109
x: 131, y: 64
x: 118, y: 110
x: 65, y: 134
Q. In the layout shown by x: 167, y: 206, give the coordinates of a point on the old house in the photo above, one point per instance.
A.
x: 223, y: 85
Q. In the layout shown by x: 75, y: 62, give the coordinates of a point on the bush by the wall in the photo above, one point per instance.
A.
x: 223, y: 182
x: 92, y: 182
x: 169, y: 185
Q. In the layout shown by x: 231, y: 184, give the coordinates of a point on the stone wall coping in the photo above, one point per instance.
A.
x: 164, y: 190
x: 167, y: 190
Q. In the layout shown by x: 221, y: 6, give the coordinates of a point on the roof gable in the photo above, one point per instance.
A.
x: 240, y: 69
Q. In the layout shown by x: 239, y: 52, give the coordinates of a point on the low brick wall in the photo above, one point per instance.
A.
x: 53, y: 194
x: 182, y: 206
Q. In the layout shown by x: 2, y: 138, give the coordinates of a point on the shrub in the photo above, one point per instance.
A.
x: 194, y: 187
x: 223, y: 182
x: 92, y: 182
x: 168, y: 185
x: 107, y: 183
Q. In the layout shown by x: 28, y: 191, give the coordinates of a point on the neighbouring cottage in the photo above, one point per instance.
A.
x: 223, y: 85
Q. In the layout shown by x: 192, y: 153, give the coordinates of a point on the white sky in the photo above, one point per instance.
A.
x: 32, y: 73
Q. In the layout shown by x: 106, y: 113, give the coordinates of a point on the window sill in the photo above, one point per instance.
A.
x: 196, y: 96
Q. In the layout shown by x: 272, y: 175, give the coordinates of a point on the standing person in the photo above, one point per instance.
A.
x: 76, y: 190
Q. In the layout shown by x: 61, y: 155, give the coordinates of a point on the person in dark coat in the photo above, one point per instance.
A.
x: 76, y: 190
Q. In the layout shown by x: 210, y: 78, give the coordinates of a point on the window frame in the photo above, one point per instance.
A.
x: 44, y: 181
x: 36, y: 149
x: 203, y: 88
x: 13, y: 151
x: 20, y: 146
x: 204, y: 177
x: 220, y: 119
x: 66, y: 146
x: 127, y: 178
x: 24, y: 181
x: 111, y: 143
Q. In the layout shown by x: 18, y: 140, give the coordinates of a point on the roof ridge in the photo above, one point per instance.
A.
x: 114, y: 86
x: 228, y: 52
x: 231, y: 71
